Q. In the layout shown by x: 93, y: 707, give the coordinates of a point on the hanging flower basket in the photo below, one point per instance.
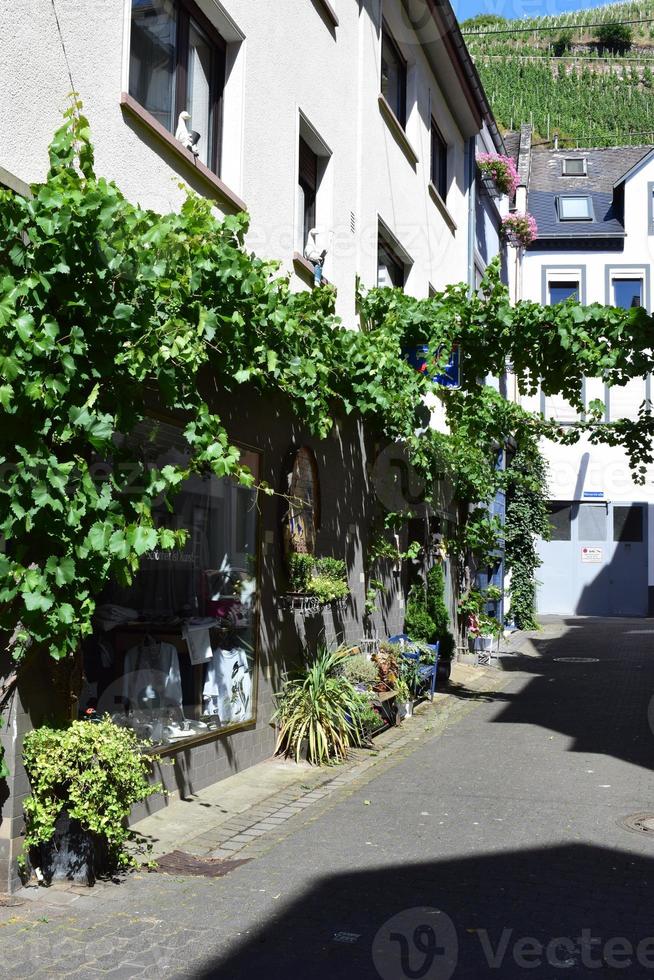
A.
x: 519, y: 230
x: 499, y: 171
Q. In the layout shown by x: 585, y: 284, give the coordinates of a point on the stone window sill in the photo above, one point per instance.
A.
x: 304, y: 270
x: 442, y: 207
x: 397, y: 130
x: 218, y: 190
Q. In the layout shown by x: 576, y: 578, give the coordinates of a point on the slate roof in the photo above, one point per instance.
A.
x: 512, y: 144
x: 605, y: 167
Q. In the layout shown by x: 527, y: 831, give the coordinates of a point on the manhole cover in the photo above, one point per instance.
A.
x: 180, y: 863
x: 577, y: 660
x: 640, y: 823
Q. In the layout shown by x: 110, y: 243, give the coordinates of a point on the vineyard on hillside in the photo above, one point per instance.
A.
x: 562, y: 81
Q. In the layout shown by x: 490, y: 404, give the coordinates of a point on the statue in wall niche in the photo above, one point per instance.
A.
x: 187, y: 137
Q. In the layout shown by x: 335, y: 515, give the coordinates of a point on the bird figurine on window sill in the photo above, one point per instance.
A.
x: 314, y: 255
x: 187, y: 137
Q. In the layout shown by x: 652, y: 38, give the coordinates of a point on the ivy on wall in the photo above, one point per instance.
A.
x: 107, y: 309
x: 527, y: 518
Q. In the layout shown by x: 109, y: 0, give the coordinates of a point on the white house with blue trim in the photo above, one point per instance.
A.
x: 595, y: 214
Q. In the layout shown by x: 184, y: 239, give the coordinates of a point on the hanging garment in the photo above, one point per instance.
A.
x: 228, y: 686
x: 152, y: 677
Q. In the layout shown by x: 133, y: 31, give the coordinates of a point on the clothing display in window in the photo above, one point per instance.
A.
x: 152, y: 677
x: 172, y: 656
x: 227, y: 688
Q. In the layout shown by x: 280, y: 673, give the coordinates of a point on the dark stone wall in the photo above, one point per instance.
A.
x: 348, y: 504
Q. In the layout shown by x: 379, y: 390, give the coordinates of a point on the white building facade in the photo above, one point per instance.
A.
x: 595, y: 214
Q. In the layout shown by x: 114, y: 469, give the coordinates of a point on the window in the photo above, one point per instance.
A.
x: 591, y: 522
x: 393, y: 76
x: 627, y: 292
x: 438, y: 161
x: 177, y: 64
x: 390, y: 267
x: 308, y: 187
x: 573, y: 167
x: 173, y: 656
x: 628, y: 523
x: 560, y: 291
x: 575, y: 208
x: 560, y: 520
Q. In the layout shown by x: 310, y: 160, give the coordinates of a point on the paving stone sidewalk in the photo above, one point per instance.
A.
x: 140, y: 925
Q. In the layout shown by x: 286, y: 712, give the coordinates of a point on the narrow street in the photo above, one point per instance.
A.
x: 495, y: 848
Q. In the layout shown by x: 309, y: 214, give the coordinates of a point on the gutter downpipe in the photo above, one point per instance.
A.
x: 471, y: 186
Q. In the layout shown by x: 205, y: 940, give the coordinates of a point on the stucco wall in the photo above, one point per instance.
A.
x: 288, y: 61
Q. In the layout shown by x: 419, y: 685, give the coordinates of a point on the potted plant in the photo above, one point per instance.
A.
x: 500, y: 171
x: 321, y: 580
x: 519, y: 229
x: 84, y: 779
x: 318, y: 711
x: 404, y: 699
x: 361, y: 672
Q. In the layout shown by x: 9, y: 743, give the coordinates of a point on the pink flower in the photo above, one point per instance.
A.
x: 519, y: 229
x: 501, y: 170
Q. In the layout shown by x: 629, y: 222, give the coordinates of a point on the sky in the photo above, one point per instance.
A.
x: 520, y: 8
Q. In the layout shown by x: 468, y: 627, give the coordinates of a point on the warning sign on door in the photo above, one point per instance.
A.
x: 591, y: 555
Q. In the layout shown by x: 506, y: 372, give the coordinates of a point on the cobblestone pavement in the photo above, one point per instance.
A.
x: 483, y: 840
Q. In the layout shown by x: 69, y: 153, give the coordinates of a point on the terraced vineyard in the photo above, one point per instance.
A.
x: 552, y: 72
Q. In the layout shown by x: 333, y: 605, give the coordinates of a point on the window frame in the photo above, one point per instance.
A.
x: 187, y: 11
x: 401, y: 94
x: 582, y: 160
x: 383, y: 241
x: 438, y: 162
x: 574, y: 197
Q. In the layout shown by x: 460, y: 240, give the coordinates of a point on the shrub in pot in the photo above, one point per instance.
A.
x: 318, y: 711
x: 84, y: 779
x: 359, y: 670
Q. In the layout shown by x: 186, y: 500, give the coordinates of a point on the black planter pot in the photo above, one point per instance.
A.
x: 443, y: 671
x: 73, y: 854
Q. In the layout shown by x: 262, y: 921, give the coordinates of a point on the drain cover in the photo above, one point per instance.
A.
x: 577, y: 660
x: 180, y: 863
x: 640, y: 823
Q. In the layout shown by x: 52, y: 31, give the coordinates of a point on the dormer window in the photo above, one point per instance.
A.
x: 577, y: 207
x: 573, y: 167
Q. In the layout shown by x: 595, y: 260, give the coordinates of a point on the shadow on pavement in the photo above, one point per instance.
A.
x: 548, y: 913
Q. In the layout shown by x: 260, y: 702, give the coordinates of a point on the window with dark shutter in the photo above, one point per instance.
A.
x: 177, y: 64
x: 308, y: 180
x: 438, y: 161
x: 393, y: 76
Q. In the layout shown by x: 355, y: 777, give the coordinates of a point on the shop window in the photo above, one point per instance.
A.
x: 173, y: 655
x: 393, y: 76
x: 560, y: 515
x: 177, y: 63
x: 628, y: 523
x: 303, y: 514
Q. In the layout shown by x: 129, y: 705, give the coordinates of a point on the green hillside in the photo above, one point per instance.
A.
x: 563, y: 80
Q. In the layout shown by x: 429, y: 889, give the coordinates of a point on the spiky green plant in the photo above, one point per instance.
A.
x: 320, y: 707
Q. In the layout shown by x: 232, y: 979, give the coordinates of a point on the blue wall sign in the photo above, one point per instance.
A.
x: 593, y: 493
x: 418, y: 359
